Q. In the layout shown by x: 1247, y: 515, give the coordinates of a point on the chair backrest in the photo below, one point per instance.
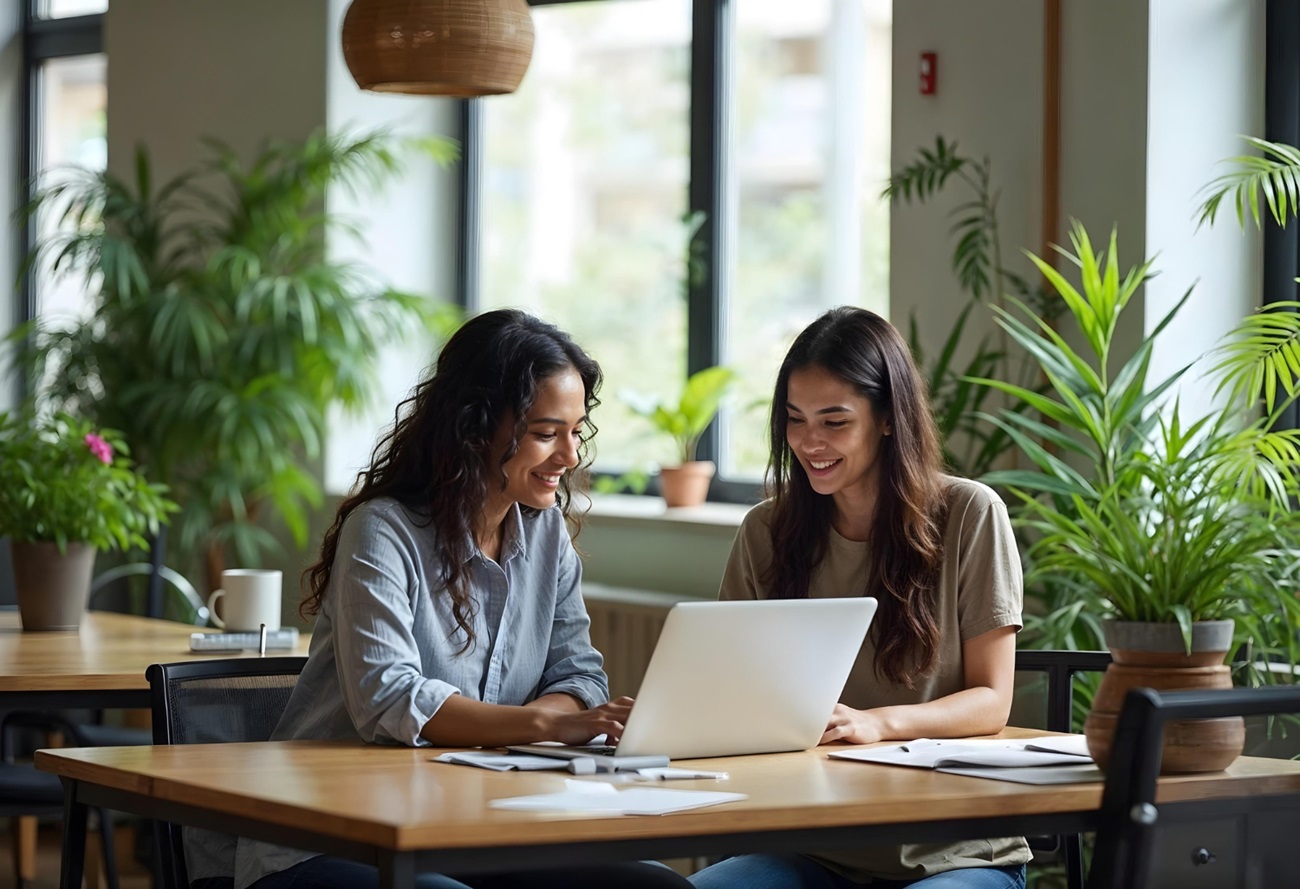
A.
x: 1059, y: 667
x: 1056, y: 702
x: 1129, y: 817
x: 188, y: 598
x: 207, y: 702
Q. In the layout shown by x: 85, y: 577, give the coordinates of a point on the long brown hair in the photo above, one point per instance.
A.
x: 906, y: 545
x: 434, y: 460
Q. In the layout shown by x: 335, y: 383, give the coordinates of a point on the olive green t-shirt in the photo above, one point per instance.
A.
x: 980, y: 589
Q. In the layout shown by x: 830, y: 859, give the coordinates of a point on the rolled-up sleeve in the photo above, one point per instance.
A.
x: 374, y: 579
x: 573, y: 665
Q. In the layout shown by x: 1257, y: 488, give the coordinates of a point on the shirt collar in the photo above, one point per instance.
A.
x: 512, y: 536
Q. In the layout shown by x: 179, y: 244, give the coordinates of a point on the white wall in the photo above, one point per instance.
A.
x: 1153, y: 94
x: 241, y: 70
x: 989, y: 99
x: 1104, y: 131
x: 1205, y: 88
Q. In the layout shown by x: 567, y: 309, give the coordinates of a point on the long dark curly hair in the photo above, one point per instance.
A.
x: 906, y: 545
x: 435, y: 458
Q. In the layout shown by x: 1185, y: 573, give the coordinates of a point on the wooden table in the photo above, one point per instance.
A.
x: 394, y: 808
x: 100, y: 665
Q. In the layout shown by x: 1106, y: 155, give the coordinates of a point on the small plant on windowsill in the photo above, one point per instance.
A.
x: 685, y: 483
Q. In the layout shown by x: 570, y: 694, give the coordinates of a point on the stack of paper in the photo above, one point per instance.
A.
x: 1059, y: 759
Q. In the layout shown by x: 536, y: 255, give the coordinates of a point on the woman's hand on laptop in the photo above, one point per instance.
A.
x: 581, y: 727
x: 853, y: 726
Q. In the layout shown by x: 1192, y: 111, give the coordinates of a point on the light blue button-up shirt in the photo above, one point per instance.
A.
x: 385, y: 649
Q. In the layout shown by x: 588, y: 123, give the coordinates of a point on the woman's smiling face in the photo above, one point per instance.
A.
x: 833, y: 432
x: 549, y: 446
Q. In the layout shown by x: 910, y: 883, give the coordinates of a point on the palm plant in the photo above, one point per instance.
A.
x: 1140, y: 515
x: 971, y: 445
x: 221, y: 332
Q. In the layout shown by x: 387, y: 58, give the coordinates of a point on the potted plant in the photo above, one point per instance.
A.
x: 68, y: 490
x: 1179, y: 535
x: 221, y: 332
x: 685, y: 483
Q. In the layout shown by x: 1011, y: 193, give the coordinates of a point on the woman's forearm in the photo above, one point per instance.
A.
x: 565, y: 703
x: 463, y: 722
x: 972, y: 711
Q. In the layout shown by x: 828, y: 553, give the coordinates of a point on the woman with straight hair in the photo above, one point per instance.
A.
x: 446, y: 596
x: 859, y: 506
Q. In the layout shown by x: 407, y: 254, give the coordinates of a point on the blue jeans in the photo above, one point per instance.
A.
x: 326, y: 872
x: 799, y: 872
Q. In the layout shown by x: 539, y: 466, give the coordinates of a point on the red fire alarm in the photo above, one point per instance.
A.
x: 929, y: 73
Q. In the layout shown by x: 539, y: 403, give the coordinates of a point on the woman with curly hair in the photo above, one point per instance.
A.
x: 446, y: 596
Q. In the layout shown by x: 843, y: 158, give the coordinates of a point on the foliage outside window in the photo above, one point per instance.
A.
x: 586, y: 216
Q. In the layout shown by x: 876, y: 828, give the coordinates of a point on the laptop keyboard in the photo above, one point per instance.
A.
x: 601, y: 749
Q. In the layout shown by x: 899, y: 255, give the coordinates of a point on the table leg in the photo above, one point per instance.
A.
x: 74, y: 837
x: 396, y: 870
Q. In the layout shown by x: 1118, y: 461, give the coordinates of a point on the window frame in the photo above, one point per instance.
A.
x: 1282, y: 124
x: 43, y: 39
x: 712, y: 36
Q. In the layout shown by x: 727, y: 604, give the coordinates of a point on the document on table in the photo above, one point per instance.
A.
x: 599, y: 798
x: 502, y: 762
x: 1048, y: 760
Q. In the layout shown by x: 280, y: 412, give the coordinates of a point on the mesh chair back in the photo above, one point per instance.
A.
x: 214, y: 702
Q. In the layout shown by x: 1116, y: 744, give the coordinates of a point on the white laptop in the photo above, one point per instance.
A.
x: 736, y: 677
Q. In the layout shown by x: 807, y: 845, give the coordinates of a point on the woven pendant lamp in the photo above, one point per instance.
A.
x: 462, y: 48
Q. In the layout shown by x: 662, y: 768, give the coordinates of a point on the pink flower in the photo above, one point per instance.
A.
x: 100, y: 448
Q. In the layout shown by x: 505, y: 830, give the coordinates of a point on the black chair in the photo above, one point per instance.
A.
x: 1059, y: 669
x: 212, y: 702
x: 1130, y: 817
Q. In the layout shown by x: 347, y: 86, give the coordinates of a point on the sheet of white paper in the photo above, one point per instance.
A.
x: 928, y: 754
x: 609, y: 800
x: 1075, y: 744
x: 502, y: 762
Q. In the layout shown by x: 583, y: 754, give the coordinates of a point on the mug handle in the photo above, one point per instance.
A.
x: 212, y: 609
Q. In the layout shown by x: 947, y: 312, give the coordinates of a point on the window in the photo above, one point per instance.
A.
x: 584, y: 194
x: 65, y: 120
x: 763, y: 123
x: 70, y: 131
x: 57, y: 9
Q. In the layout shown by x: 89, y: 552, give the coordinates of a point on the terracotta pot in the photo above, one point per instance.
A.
x: 52, y: 586
x: 688, y: 484
x: 1152, y: 655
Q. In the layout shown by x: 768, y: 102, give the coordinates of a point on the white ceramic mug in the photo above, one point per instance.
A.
x: 253, y: 597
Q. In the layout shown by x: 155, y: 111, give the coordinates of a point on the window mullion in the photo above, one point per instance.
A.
x: 469, y: 250
x: 711, y: 38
